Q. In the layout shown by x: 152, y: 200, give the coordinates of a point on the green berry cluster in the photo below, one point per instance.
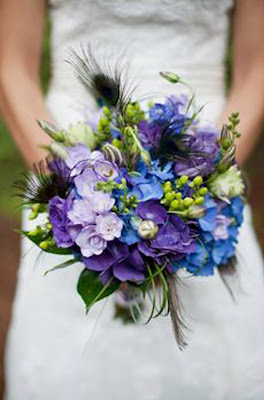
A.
x: 36, y: 209
x: 134, y: 114
x: 233, y: 122
x: 104, y: 126
x: 128, y: 202
x: 173, y: 198
x: 44, y: 235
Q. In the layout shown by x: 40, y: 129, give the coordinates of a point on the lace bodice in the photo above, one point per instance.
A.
x: 185, y: 36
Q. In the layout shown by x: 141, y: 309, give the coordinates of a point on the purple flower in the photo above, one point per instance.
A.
x: 59, y: 167
x: 101, y: 202
x: 105, y: 170
x: 149, y: 134
x: 153, y: 211
x: 85, y: 182
x: 90, y: 242
x: 109, y: 226
x: 119, y: 261
x: 82, y: 212
x: 77, y: 159
x: 204, y: 144
x: 173, y: 239
x: 58, y: 210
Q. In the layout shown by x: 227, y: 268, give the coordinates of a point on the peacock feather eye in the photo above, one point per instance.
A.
x: 105, y: 81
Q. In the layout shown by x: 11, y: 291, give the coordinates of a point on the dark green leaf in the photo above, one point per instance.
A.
x: 92, y: 290
x: 62, y: 265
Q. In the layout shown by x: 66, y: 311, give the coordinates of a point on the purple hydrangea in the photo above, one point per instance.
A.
x: 205, y: 151
x: 63, y: 232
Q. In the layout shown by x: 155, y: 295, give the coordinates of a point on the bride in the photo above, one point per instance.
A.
x: 54, y: 351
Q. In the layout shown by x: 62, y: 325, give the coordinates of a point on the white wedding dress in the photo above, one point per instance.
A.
x: 54, y: 350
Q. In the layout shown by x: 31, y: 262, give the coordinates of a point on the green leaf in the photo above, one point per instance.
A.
x: 62, y: 265
x: 92, y: 290
x: 38, y: 238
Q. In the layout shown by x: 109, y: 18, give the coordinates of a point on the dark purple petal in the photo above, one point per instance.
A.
x: 118, y: 250
x: 153, y: 211
x: 99, y: 263
x: 126, y: 272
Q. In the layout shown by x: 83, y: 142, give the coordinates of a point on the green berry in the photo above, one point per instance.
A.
x: 106, y: 111
x: 184, y: 179
x: 198, y: 180
x: 167, y: 189
x: 199, y: 200
x: 33, y: 215
x: 178, y: 196
x: 44, y: 245
x: 174, y: 204
x: 167, y: 184
x: 169, y: 196
x: 188, y: 201
x: 49, y: 226
x: 203, y: 191
x: 33, y: 233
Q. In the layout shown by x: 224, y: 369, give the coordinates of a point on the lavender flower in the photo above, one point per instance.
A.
x: 109, y: 226
x: 105, y: 170
x: 77, y: 159
x: 82, y: 212
x: 90, y: 242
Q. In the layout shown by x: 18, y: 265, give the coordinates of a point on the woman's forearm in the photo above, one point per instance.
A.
x: 248, y: 99
x: 22, y: 104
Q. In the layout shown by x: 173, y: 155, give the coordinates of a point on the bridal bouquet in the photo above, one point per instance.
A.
x: 136, y: 195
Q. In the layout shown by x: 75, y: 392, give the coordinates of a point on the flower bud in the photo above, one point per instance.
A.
x: 199, y: 200
x: 195, y: 212
x: 184, y: 179
x: 112, y: 154
x: 170, y: 77
x: 147, y: 229
x: 44, y: 245
x: 55, y: 133
x: 198, y: 180
x: 174, y: 204
x: 229, y: 157
x: 188, y: 201
x: 227, y: 137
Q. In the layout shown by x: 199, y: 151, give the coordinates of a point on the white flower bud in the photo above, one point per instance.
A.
x: 147, y: 229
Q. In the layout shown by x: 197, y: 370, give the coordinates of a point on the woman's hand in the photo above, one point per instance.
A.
x: 21, y: 100
x: 247, y: 89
